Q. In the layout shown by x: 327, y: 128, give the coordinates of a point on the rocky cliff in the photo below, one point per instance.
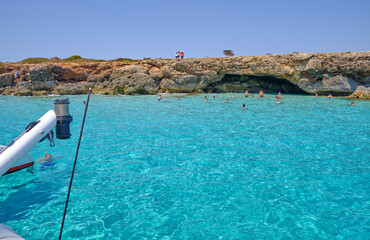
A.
x: 341, y: 74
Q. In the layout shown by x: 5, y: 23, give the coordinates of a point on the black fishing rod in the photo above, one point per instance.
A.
x: 74, y: 164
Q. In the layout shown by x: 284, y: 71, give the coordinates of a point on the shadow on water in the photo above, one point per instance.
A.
x: 24, y: 197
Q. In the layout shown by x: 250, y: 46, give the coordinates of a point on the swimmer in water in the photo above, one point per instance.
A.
x: 330, y: 96
x: 279, y: 95
x: 316, y: 95
x: 233, y: 95
x: 260, y: 95
x: 351, y: 104
x: 45, y: 159
x: 244, y: 106
x: 227, y: 100
x: 159, y: 98
x: 213, y: 98
x: 252, y: 94
x: 205, y: 99
x: 178, y: 97
x: 167, y: 92
x: 246, y: 93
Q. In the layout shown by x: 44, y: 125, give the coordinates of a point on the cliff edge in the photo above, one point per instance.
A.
x: 341, y: 74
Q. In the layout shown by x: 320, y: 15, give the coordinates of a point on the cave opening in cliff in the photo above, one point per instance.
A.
x: 241, y: 83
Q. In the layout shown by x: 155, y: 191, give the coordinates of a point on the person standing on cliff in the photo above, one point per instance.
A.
x: 182, y: 55
x: 16, y: 75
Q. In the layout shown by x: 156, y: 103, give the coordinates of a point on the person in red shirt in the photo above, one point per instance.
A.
x: 182, y: 54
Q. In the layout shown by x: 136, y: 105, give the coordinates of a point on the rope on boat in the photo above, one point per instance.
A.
x: 74, y: 164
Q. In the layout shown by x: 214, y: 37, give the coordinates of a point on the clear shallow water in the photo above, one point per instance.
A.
x: 186, y: 169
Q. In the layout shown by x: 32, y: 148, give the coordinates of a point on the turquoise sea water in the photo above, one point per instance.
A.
x: 187, y: 169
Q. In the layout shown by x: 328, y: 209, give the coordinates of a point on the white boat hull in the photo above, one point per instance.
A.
x: 14, y: 157
x: 24, y: 162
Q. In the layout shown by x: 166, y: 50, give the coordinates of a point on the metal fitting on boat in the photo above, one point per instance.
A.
x: 61, y: 107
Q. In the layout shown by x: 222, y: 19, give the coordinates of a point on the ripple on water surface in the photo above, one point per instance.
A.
x: 187, y: 169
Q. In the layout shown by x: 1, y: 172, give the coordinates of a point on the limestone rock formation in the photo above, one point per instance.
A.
x: 73, y: 88
x: 340, y: 74
x: 131, y: 80
x: 6, y: 79
x: 362, y: 92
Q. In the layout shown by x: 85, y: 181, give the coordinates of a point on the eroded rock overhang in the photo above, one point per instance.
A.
x: 241, y: 83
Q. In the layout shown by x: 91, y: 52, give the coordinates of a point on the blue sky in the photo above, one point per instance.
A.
x: 157, y: 29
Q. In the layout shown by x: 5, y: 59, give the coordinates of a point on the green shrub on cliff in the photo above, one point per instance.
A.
x: 122, y: 60
x: 79, y: 59
x: 229, y: 53
x: 72, y: 58
x: 35, y: 60
x: 55, y: 59
x: 92, y: 60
